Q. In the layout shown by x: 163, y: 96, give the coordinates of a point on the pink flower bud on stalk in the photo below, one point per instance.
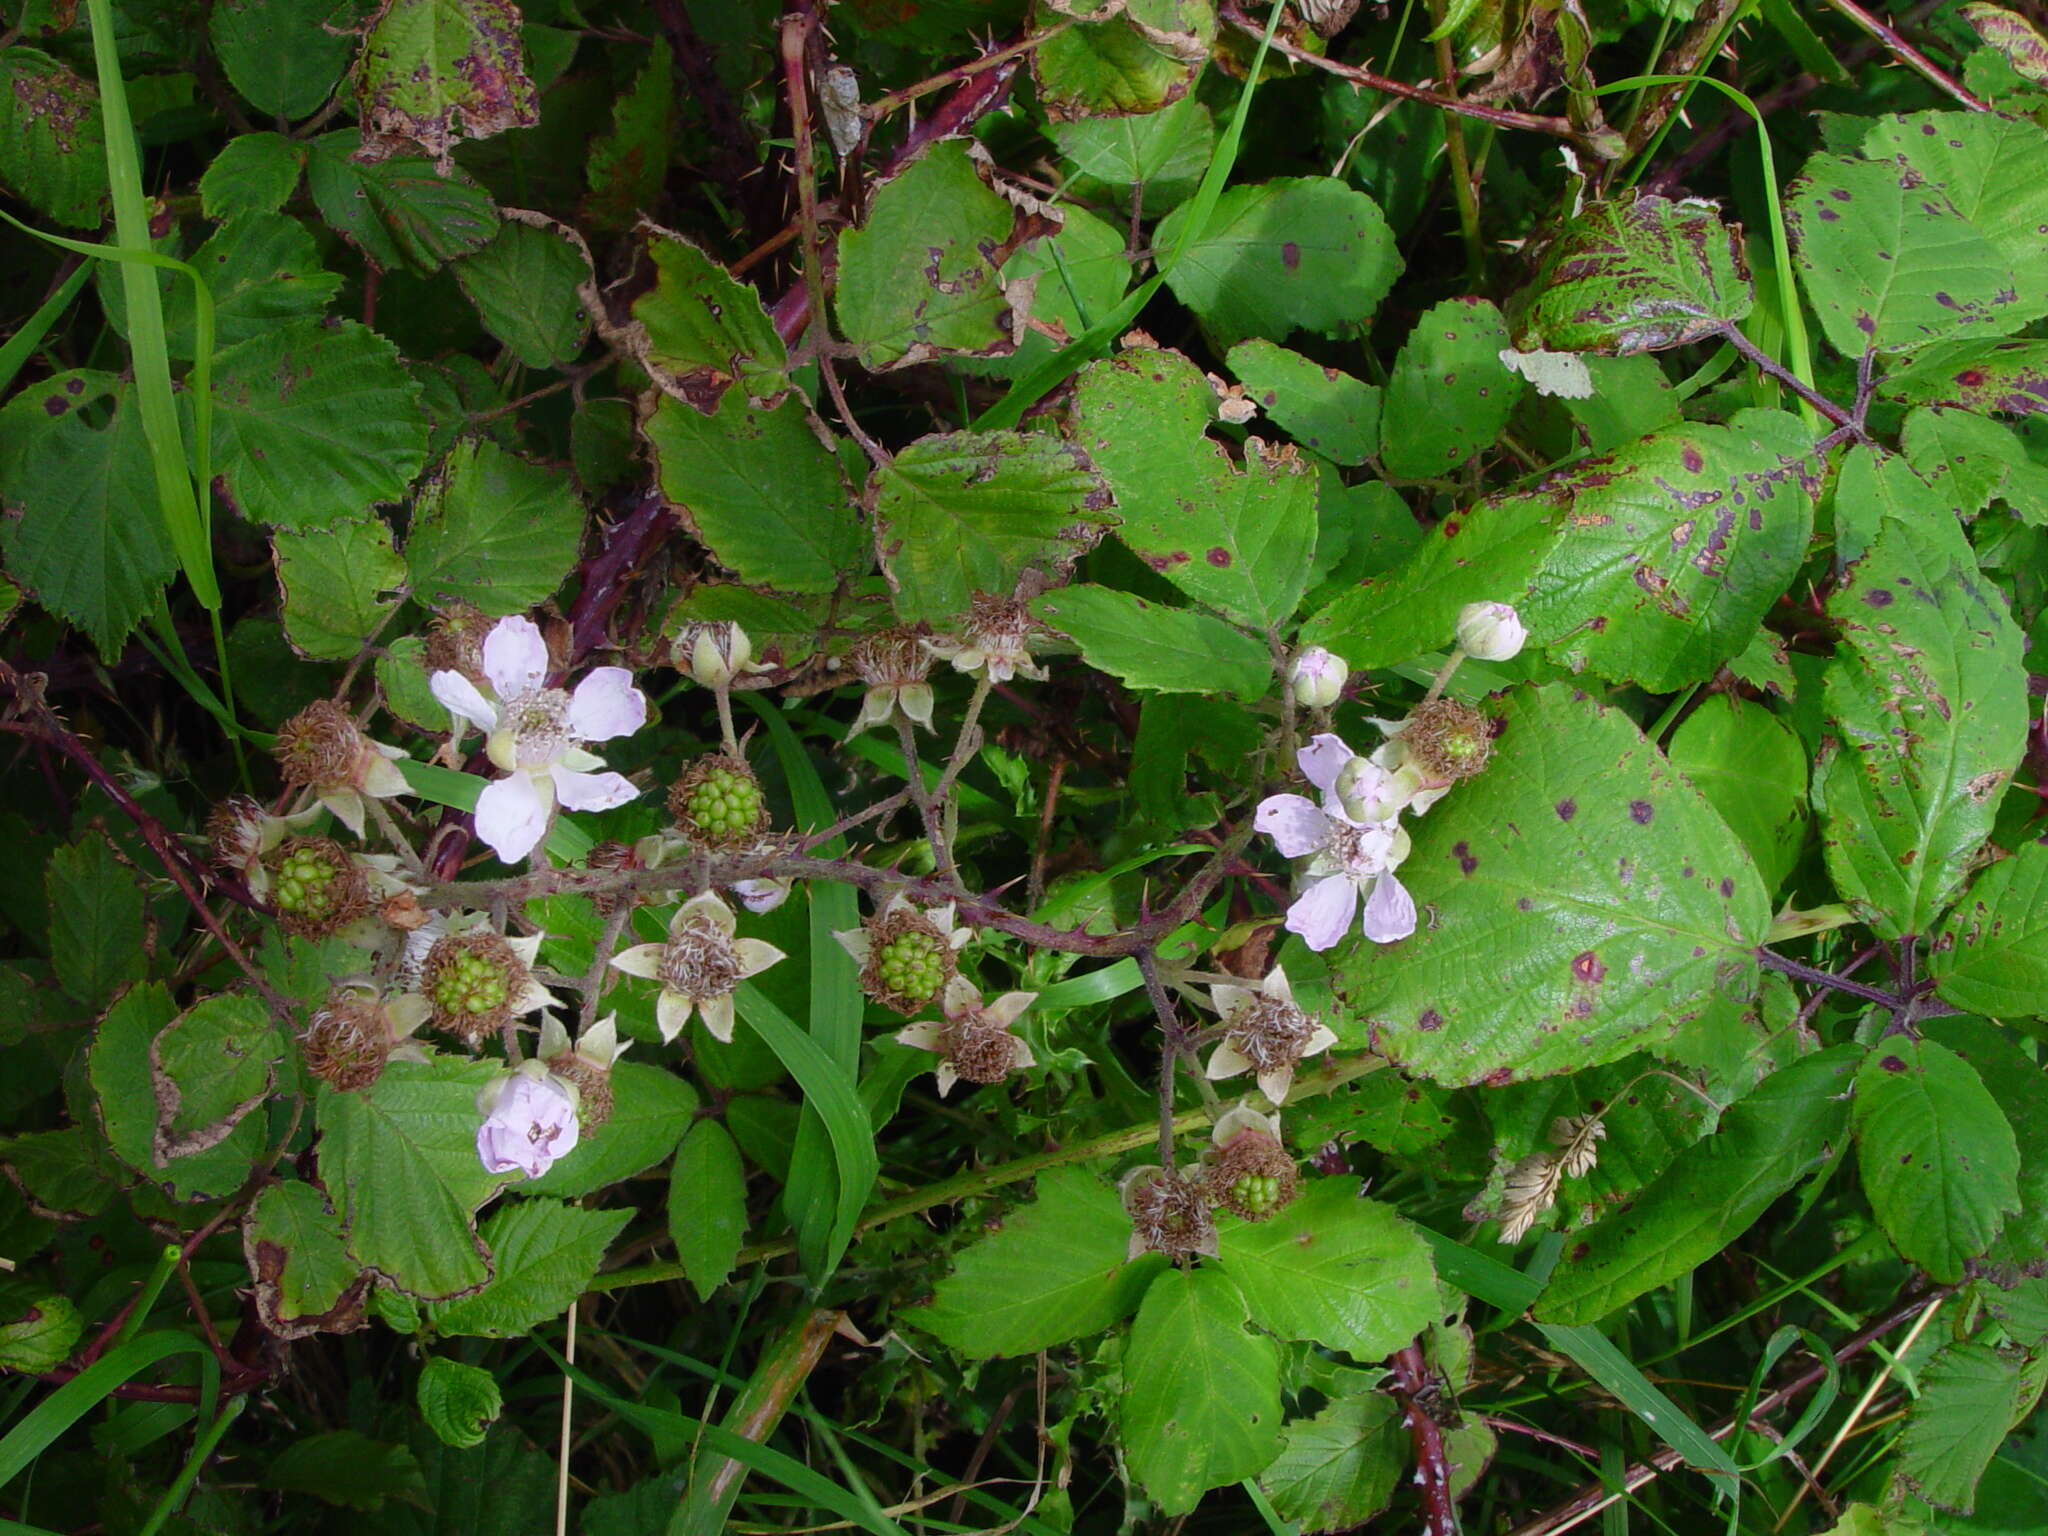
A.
x: 1317, y: 678
x: 1491, y: 632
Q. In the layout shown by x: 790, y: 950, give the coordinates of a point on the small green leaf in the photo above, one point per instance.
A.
x: 1890, y: 263
x: 706, y: 330
x: 1077, y: 276
x: 312, y: 424
x: 1590, y: 902
x: 2005, y: 378
x: 253, y: 173
x: 1300, y: 253
x: 630, y: 160
x: 1450, y: 395
x: 1325, y: 410
x: 402, y: 679
x: 1938, y: 1159
x: 340, y: 583
x: 1148, y: 645
x: 525, y: 286
x: 459, y: 1402
x: 400, y: 1164
x: 543, y: 1255
x: 305, y: 1282
x: 2014, y: 38
x: 2017, y: 1082
x: 651, y: 1109
x: 1712, y: 1193
x: 492, y: 529
x: 1638, y: 275
x: 211, y: 1067
x: 264, y: 271
x: 95, y: 920
x: 1239, y: 539
x: 1334, y: 1270
x: 38, y: 1329
x: 760, y: 490
x: 53, y: 147
x: 1133, y: 64
x: 284, y: 56
x: 1926, y: 704
x: 962, y: 513
x: 1969, y: 1396
x: 1052, y: 1272
x: 1338, y: 1469
x: 1166, y: 151
x: 707, y: 1205
x: 436, y: 72
x: 1752, y: 769
x: 919, y: 278
x: 85, y: 541
x: 121, y: 1070
x: 397, y: 211
x: 1201, y: 1402
x: 1973, y: 460
x: 1992, y: 954
x: 349, y: 1470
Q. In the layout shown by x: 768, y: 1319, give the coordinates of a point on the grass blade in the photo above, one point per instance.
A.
x: 1595, y: 1354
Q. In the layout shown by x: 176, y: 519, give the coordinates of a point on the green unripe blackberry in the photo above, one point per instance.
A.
x: 470, y: 981
x: 316, y: 886
x: 719, y: 803
x: 1256, y: 1192
x: 909, y: 961
x: 1251, y: 1175
x: 1448, y: 740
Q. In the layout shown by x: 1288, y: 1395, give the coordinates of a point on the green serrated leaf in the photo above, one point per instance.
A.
x: 53, y: 147
x: 1239, y: 539
x: 401, y: 211
x: 629, y: 162
x: 1054, y: 1271
x: 2017, y: 1082
x: 1974, y: 460
x: 1148, y: 645
x: 58, y: 1173
x: 211, y: 1067
x: 706, y: 330
x: 1133, y: 64
x: 494, y: 530
x: 284, y: 56
x: 1926, y: 699
x: 1299, y: 253
x: 1969, y: 1396
x: 760, y: 490
x: 1992, y: 953
x: 1166, y: 151
x: 1636, y: 276
x: 2014, y: 38
x: 400, y: 1164
x: 1752, y: 768
x: 1334, y: 1270
x: 707, y: 1205
x: 524, y: 285
x: 1201, y: 1404
x: 543, y: 1254
x: 1712, y: 1193
x: 962, y: 513
x: 305, y: 1282
x: 1338, y: 1469
x: 402, y: 680
x: 253, y: 173
x: 459, y: 1402
x: 1938, y: 1160
x: 75, y: 467
x: 1449, y: 395
x: 651, y: 1109
x: 313, y: 424
x: 436, y: 72
x: 1589, y: 903
x: 95, y: 920
x: 350, y: 1470
x: 38, y: 1329
x: 1326, y: 411
x: 1890, y: 263
x: 1074, y: 276
x: 918, y: 279
x: 340, y: 584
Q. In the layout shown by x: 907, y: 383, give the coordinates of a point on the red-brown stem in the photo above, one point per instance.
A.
x: 1910, y: 56
x: 1432, y: 1464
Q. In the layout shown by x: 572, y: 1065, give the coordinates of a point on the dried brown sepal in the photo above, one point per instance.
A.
x: 593, y: 1085
x: 1169, y: 1213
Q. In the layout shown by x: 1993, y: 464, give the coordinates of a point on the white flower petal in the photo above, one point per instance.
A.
x: 1322, y: 914
x: 1323, y: 759
x: 459, y: 696
x: 1297, y: 825
x: 606, y: 704
x: 591, y: 791
x: 512, y: 816
x: 1389, y: 911
x: 515, y: 656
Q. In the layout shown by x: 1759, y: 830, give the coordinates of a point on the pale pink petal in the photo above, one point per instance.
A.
x: 512, y: 816
x: 1322, y: 914
x: 1297, y: 825
x: 459, y: 696
x: 1389, y: 911
x: 606, y: 704
x: 532, y: 1124
x: 591, y: 791
x: 515, y: 656
x: 1323, y: 759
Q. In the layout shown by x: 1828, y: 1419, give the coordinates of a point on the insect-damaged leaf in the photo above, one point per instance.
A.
x: 1927, y: 709
x: 305, y: 1282
x: 1449, y: 395
x: 1636, y: 276
x: 1587, y: 902
x: 2007, y: 378
x: 436, y: 72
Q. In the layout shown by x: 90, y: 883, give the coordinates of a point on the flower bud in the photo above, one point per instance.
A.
x: 1490, y: 632
x: 1317, y: 678
x: 529, y: 1121
x: 712, y: 655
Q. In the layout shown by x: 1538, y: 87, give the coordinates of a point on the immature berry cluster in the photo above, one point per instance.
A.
x: 909, y: 961
x: 316, y: 886
x: 470, y: 980
x: 718, y: 803
x: 1250, y: 1175
x: 1448, y: 740
x: 347, y: 1041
